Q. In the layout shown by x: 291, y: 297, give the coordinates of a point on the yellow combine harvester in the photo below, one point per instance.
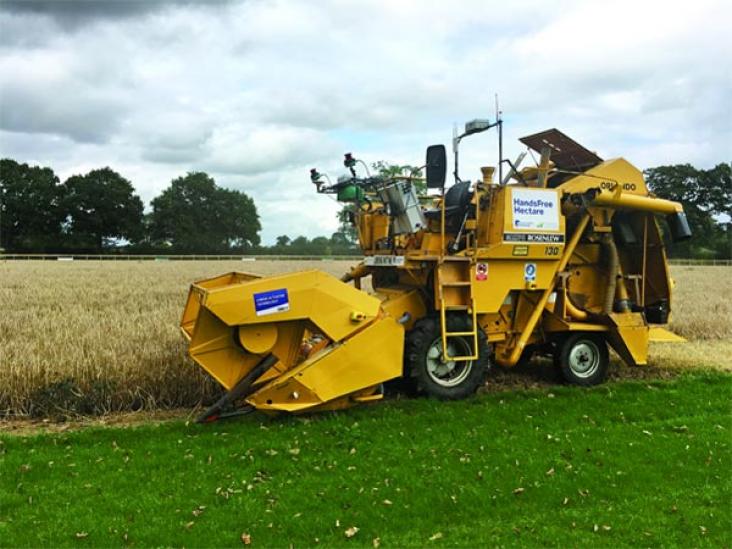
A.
x: 562, y: 259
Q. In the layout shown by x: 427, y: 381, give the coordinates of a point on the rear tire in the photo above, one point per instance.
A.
x: 450, y: 380
x: 583, y: 359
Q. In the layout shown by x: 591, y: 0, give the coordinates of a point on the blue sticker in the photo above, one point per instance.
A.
x: 274, y: 301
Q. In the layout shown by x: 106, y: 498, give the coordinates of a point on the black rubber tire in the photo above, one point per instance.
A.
x: 418, y: 342
x: 562, y: 358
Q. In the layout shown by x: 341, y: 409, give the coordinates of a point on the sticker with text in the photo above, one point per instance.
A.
x: 274, y: 301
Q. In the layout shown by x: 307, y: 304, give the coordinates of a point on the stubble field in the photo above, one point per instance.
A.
x: 92, y: 337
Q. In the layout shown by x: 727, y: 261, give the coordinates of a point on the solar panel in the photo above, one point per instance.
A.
x: 566, y: 153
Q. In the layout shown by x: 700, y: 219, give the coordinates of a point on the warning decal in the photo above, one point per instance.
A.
x: 481, y: 271
x: 530, y: 272
x: 274, y: 301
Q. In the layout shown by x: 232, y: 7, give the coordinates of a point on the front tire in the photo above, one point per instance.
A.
x: 583, y: 359
x: 451, y: 380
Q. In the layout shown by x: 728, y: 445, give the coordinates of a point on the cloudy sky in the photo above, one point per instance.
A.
x: 258, y: 92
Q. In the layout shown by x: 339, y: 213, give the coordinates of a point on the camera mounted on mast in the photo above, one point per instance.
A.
x: 479, y: 125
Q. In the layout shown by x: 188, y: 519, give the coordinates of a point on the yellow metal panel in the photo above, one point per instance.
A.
x: 198, y: 291
x: 659, y: 334
x: 372, y: 356
x: 629, y: 337
x: 605, y: 175
x: 313, y: 295
x: 258, y: 338
x: 506, y: 275
x: 213, y: 348
x: 396, y: 302
x: 552, y: 323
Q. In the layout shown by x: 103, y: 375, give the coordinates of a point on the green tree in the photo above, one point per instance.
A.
x: 346, y: 226
x: 101, y: 206
x: 339, y: 240
x: 30, y: 207
x: 194, y: 215
x: 299, y: 245
x: 320, y: 245
x: 385, y: 169
x: 282, y: 241
x: 707, y: 199
x: 239, y: 220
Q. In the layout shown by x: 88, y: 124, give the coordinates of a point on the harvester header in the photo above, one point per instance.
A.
x: 562, y: 259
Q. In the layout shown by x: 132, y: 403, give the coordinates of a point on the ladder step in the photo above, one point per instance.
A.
x: 456, y: 334
x: 456, y: 307
x: 455, y: 284
x: 455, y: 258
x: 462, y: 358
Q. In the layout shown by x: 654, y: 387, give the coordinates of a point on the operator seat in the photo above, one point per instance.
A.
x: 457, y: 200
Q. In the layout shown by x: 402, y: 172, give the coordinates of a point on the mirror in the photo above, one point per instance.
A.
x: 436, y: 166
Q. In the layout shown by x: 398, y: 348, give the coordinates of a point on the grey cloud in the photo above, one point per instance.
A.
x: 24, y: 31
x: 172, y: 137
x: 89, y: 119
x: 72, y: 14
x: 252, y: 150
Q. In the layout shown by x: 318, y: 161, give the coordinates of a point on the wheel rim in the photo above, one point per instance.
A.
x: 584, y: 358
x: 452, y: 372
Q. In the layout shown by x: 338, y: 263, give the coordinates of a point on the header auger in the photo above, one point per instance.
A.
x: 561, y: 259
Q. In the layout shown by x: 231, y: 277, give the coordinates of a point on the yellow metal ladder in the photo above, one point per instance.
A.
x: 463, y: 285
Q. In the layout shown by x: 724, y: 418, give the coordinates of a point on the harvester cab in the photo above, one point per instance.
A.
x: 562, y: 259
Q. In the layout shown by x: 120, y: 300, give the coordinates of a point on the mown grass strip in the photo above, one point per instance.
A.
x: 632, y: 463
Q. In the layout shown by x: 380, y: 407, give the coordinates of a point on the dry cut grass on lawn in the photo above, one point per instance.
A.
x: 91, y: 337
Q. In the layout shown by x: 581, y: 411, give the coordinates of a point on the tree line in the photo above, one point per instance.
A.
x: 100, y: 212
x: 707, y: 199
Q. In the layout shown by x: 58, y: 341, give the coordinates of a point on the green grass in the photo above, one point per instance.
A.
x: 632, y: 463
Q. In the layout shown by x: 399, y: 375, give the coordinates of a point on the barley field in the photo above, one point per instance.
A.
x: 91, y: 337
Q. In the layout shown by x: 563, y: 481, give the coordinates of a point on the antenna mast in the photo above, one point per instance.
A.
x: 499, y: 121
